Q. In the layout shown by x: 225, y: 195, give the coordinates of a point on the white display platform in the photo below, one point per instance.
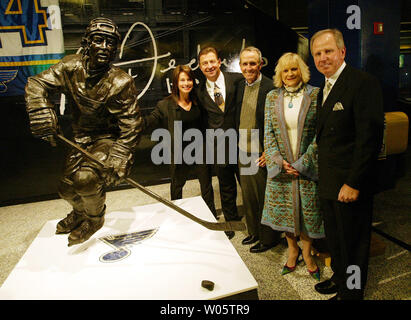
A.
x: 169, y: 265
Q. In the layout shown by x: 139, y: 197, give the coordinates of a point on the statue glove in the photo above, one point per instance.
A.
x: 119, y: 160
x: 44, y: 124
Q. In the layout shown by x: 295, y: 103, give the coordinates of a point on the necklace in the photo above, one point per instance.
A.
x: 292, y: 92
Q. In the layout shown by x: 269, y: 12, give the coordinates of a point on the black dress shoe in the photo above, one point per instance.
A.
x: 326, y: 287
x: 259, y: 247
x: 249, y: 240
x: 229, y: 234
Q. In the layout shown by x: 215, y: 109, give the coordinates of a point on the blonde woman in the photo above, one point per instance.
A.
x: 291, y: 201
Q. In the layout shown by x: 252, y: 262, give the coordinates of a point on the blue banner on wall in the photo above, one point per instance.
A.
x: 31, y: 40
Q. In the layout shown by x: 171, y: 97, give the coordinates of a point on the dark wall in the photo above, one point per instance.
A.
x: 375, y: 53
x: 324, y: 14
x: 380, y: 53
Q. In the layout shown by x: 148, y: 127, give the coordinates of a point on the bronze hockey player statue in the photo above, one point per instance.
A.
x: 106, y: 122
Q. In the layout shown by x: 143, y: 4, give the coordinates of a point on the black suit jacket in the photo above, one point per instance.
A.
x: 349, y: 139
x: 164, y: 115
x: 266, y: 86
x: 213, y: 116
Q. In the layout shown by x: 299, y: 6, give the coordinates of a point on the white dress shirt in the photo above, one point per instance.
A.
x: 260, y: 77
x: 291, y: 119
x: 220, y: 83
x: 333, y: 79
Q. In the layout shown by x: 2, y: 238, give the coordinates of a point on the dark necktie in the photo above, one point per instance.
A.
x: 218, y: 98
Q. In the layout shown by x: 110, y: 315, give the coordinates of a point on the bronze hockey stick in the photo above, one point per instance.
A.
x: 219, y: 226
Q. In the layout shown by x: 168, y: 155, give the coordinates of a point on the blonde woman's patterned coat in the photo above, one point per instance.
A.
x: 292, y: 204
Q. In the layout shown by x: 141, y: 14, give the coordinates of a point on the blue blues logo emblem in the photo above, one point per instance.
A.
x: 122, y: 242
x: 6, y: 76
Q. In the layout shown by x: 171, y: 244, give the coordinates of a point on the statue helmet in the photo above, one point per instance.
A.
x: 104, y: 26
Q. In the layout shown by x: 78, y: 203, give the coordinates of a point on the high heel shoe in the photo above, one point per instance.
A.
x: 315, y: 274
x: 287, y: 269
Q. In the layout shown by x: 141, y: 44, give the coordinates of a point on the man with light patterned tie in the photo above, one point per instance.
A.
x: 349, y: 136
x: 217, y: 98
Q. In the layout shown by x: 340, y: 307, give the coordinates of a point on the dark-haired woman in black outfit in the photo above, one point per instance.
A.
x: 182, y: 105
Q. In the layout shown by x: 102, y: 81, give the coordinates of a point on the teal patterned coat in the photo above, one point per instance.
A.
x: 292, y: 204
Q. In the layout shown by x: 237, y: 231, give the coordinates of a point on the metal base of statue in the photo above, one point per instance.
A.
x: 146, y: 252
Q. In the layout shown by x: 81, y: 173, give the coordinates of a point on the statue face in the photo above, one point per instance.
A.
x: 102, y: 50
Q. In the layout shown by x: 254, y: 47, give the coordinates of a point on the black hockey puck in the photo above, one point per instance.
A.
x: 209, y: 285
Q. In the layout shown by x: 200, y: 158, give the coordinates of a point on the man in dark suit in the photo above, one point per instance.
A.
x: 217, y: 97
x: 349, y: 136
x: 251, y: 95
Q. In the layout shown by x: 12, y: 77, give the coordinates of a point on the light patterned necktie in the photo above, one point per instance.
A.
x: 326, y: 91
x: 218, y: 98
